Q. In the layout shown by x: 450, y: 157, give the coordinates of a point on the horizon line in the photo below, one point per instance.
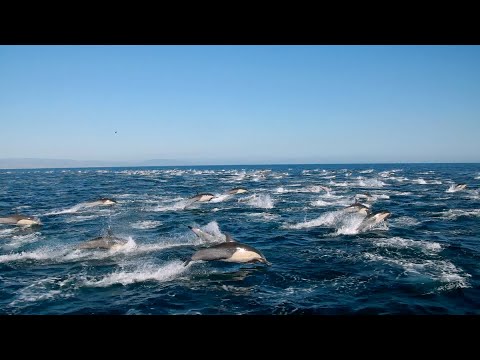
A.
x: 218, y: 165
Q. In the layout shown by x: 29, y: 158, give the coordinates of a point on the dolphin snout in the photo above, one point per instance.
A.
x: 265, y: 261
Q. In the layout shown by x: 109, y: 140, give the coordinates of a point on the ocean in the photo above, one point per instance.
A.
x: 423, y: 259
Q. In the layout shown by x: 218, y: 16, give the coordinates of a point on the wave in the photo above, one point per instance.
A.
x: 265, y: 216
x: 21, y: 240
x: 427, y: 247
x: 81, y: 218
x: 147, y: 272
x: 131, y: 248
x: 339, y: 184
x: 453, y: 214
x: 307, y: 189
x: 338, y: 201
x: 441, y: 271
x: 177, y: 206
x: 8, y: 231
x: 70, y: 210
x: 405, y: 221
x: 39, y: 255
x: 42, y: 290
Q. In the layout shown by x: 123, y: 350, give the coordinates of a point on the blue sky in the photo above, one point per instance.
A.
x: 241, y: 104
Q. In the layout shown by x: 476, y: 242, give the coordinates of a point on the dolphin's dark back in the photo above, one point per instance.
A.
x: 217, y: 252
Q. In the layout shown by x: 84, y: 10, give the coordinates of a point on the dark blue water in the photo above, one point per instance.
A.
x: 423, y: 260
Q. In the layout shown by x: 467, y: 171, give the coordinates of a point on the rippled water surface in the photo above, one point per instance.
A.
x: 423, y: 260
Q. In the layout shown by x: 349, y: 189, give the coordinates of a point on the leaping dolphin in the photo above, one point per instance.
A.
x: 108, y: 242
x: 229, y: 251
x: 202, y: 197
x: 365, y: 196
x: 20, y: 220
x: 101, y: 202
x: 237, y: 191
x: 373, y: 219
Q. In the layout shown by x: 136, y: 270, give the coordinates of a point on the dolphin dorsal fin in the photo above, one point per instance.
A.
x: 228, y: 238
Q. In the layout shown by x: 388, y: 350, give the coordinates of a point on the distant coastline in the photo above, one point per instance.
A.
x: 32, y: 163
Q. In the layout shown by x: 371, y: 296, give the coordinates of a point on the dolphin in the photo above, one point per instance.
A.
x: 237, y: 191
x: 460, y: 187
x: 357, y: 207
x: 229, y: 251
x: 103, y: 242
x: 101, y: 202
x: 365, y: 196
x: 21, y: 220
x: 373, y: 219
x: 202, y: 197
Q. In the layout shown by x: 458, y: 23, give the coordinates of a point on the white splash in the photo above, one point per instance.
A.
x: 213, y: 229
x: 6, y: 232
x: 452, y: 189
x: 401, y: 193
x: 370, y: 183
x: 340, y: 184
x: 428, y: 247
x: 333, y: 201
x: 71, y: 210
x: 327, y: 219
x: 146, y: 224
x: 40, y: 254
x: 147, y: 272
x: 420, y: 181
x: 349, y: 225
x: 81, y: 218
x: 179, y: 205
x: 316, y: 189
x: 20, y: 240
x: 42, y: 290
x: 69, y: 253
x: 261, y: 201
